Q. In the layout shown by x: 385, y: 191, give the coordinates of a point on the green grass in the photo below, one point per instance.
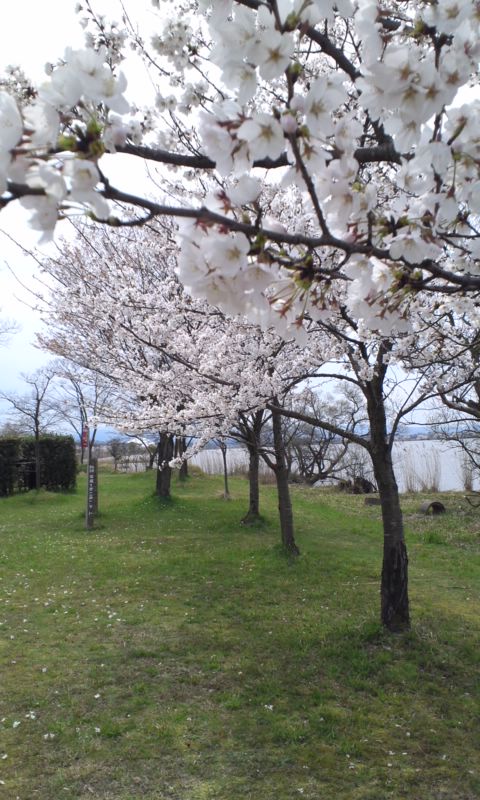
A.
x: 173, y: 654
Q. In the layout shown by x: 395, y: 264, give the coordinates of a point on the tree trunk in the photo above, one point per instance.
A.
x: 180, y: 447
x: 152, y: 455
x: 164, y: 471
x: 394, y: 587
x: 226, y: 491
x: 395, y: 613
x: 283, y: 490
x: 253, y: 513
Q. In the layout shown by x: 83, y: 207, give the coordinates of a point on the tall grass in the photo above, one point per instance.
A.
x: 421, y: 471
x: 210, y: 462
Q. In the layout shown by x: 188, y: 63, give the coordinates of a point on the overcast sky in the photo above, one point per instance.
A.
x: 33, y: 33
x: 28, y: 36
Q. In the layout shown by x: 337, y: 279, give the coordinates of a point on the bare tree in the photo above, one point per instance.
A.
x: 35, y: 411
x: 456, y: 372
x: 357, y: 471
x: 7, y: 328
x: 149, y: 447
x: 117, y: 449
x: 315, y: 453
x: 458, y: 425
x: 81, y: 396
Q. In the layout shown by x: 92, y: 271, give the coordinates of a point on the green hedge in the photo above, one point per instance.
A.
x: 58, y: 467
x: 9, y: 458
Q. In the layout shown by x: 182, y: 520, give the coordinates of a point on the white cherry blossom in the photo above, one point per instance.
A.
x: 43, y: 176
x: 325, y: 93
x: 272, y: 53
x: 344, y: 123
x: 264, y: 136
x: 44, y: 215
x: 44, y: 122
x: 10, y: 123
x: 246, y: 190
x: 84, y: 178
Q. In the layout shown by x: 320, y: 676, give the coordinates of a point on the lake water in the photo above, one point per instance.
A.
x: 419, y: 464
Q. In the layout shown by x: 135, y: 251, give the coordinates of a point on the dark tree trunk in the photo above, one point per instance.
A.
x: 395, y: 614
x: 226, y: 491
x: 164, y: 471
x: 252, y: 431
x: 283, y: 489
x: 183, y: 471
x: 152, y: 455
x: 180, y: 447
x: 253, y: 513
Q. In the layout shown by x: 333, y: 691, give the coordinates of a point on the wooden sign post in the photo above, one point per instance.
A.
x: 92, y: 490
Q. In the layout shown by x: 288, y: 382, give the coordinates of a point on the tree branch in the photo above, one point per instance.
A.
x: 364, y: 155
x: 320, y: 423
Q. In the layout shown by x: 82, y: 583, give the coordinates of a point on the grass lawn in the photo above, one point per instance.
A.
x: 172, y: 654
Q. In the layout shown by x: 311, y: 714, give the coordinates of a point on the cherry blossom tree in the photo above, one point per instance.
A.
x: 348, y: 117
x: 370, y: 365
x: 187, y: 367
x: 322, y: 155
x: 179, y: 366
